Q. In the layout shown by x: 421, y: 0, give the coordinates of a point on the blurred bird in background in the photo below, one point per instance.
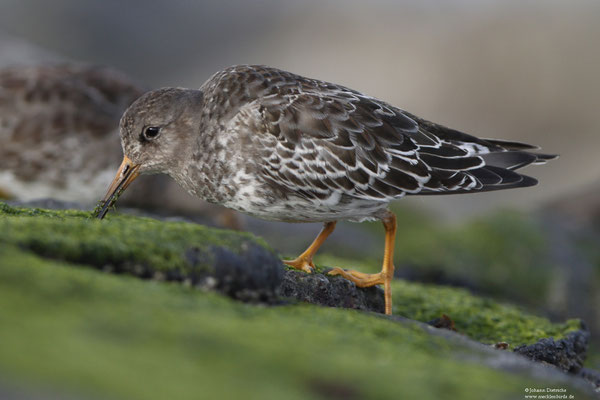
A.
x: 59, y: 135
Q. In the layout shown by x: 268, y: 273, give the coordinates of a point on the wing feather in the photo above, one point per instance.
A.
x: 329, y: 138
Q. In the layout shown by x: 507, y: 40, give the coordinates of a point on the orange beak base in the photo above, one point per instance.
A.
x: 126, y: 174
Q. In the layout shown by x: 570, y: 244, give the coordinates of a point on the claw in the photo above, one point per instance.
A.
x: 302, y: 264
x: 360, y: 278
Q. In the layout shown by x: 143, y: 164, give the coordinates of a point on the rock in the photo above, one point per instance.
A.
x: 511, y: 361
x: 233, y: 263
x: 591, y: 376
x: 331, y: 292
x: 252, y: 275
x: 567, y: 354
x: 443, y: 322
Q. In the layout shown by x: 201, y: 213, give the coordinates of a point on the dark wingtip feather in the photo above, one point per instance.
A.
x: 521, y: 148
x: 511, y: 180
x: 509, y: 159
x: 527, y: 181
x: 510, y: 145
x: 544, y: 158
x: 492, y: 179
x: 501, y: 159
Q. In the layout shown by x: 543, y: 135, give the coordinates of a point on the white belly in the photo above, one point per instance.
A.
x: 298, y: 209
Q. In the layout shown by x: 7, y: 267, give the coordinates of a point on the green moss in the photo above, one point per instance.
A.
x: 482, y: 319
x: 125, y: 243
x: 116, y: 336
x: 129, y: 243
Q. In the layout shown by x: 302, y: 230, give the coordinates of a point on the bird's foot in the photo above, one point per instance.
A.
x: 367, y: 280
x: 360, y: 278
x: 302, y: 263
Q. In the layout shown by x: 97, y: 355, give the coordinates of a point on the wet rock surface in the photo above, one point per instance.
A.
x: 591, y: 376
x: 567, y: 354
x: 253, y: 275
x: 514, y: 362
x: 331, y: 292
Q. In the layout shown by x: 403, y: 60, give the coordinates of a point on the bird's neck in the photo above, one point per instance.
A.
x: 205, y: 177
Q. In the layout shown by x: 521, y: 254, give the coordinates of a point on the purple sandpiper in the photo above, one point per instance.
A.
x: 283, y: 147
x: 58, y: 138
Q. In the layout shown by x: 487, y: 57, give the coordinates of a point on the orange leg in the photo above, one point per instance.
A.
x: 304, y: 261
x: 387, y: 271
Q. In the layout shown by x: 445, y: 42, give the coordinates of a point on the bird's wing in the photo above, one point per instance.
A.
x: 500, y: 160
x: 318, y: 138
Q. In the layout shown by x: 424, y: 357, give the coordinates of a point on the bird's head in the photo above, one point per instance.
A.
x: 157, y: 132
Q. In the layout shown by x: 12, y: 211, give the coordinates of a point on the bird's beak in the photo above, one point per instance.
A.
x: 126, y: 174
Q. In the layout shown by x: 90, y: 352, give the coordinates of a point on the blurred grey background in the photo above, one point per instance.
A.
x: 510, y: 69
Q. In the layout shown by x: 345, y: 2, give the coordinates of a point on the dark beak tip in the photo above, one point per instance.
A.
x: 125, y: 175
x: 100, y: 215
x: 101, y: 210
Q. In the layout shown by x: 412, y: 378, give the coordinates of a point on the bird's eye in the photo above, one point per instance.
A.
x: 151, y: 132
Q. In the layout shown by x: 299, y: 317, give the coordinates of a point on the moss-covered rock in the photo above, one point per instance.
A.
x: 236, y: 263
x: 482, y: 319
x: 125, y: 243
x: 505, y: 326
x: 93, y: 333
x: 538, y: 260
x: 117, y: 336
x: 189, y: 252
